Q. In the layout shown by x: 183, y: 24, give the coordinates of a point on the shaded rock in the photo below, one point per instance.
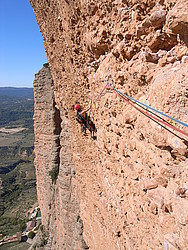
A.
x: 154, y: 21
x: 92, y: 8
x: 182, y: 51
x: 185, y: 59
x: 149, y: 184
x: 153, y: 183
x: 181, y: 192
x: 177, y: 20
x: 149, y: 57
x: 157, y: 197
x: 157, y: 18
x: 178, y: 146
x: 171, y: 241
x: 180, y: 210
x: 161, y: 41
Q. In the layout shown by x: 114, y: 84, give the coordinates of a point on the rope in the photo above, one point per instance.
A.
x: 155, y: 110
x: 91, y: 102
x: 150, y: 117
x: 99, y: 95
x: 159, y: 121
x: 97, y: 98
x: 153, y: 116
x: 152, y: 113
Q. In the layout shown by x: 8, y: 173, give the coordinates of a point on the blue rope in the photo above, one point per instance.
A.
x: 155, y: 110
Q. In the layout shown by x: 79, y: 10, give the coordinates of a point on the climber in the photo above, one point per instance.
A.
x: 85, y: 121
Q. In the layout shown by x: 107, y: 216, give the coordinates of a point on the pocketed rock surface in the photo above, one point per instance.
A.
x: 128, y: 189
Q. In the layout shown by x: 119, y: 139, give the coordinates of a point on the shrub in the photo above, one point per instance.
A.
x: 22, y: 226
x: 31, y: 235
x: 37, y: 228
x: 78, y: 218
x: 39, y: 213
x: 54, y: 174
x: 44, y: 235
x: 42, y: 228
x: 43, y: 242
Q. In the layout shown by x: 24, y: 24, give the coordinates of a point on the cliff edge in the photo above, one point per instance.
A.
x: 128, y: 189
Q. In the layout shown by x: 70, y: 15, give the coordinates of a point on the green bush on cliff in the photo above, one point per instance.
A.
x: 31, y: 235
x: 42, y: 228
x: 22, y: 226
x: 43, y: 241
x: 44, y: 236
x: 54, y: 174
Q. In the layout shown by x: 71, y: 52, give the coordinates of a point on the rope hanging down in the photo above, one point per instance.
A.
x: 101, y: 93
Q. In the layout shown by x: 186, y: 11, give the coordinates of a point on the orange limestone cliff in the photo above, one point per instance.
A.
x: 128, y: 189
x: 58, y: 199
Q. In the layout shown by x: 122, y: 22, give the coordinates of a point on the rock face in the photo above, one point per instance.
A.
x: 177, y: 20
x: 130, y: 186
x: 58, y: 199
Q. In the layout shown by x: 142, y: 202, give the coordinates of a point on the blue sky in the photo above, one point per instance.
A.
x: 21, y: 44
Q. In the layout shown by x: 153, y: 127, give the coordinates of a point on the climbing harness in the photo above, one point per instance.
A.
x: 79, y: 118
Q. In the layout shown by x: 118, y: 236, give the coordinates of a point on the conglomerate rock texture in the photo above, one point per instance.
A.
x: 58, y: 200
x: 129, y: 187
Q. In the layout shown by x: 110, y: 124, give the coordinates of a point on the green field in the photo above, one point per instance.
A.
x: 15, y: 246
x: 17, y: 173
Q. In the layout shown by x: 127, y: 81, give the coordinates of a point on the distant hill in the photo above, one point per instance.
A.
x: 16, y: 107
x: 22, y: 93
x: 17, y: 172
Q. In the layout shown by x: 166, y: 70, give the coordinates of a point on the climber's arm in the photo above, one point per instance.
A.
x: 85, y: 111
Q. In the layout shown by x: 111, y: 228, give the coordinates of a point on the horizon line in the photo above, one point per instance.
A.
x: 16, y: 87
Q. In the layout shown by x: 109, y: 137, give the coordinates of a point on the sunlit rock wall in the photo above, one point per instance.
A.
x: 58, y: 199
x: 129, y: 187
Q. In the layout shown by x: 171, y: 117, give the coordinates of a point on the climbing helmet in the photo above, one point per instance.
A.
x: 77, y: 106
